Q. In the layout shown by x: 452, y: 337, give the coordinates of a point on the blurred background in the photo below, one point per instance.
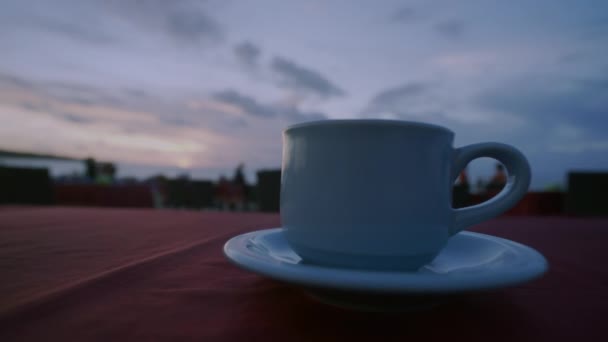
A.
x: 181, y: 104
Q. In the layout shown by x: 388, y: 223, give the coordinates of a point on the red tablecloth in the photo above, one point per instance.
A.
x: 76, y: 274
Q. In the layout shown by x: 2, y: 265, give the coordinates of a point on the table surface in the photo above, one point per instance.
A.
x: 116, y: 274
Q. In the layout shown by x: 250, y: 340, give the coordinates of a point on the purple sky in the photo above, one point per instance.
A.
x: 203, y: 85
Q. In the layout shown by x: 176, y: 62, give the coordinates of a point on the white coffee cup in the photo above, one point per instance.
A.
x: 376, y: 194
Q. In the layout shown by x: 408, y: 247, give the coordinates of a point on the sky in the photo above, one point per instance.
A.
x: 203, y: 85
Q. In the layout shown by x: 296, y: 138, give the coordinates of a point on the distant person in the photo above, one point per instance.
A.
x: 461, y: 194
x: 239, y: 188
x: 158, y: 187
x: 222, y: 193
x: 239, y: 176
x: 498, y: 181
x: 463, y: 180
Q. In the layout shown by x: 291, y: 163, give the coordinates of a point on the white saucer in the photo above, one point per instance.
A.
x: 469, y: 262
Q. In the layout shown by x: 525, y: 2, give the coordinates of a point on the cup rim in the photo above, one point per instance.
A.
x: 352, y: 122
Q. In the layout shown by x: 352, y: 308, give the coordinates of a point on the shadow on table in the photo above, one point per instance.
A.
x: 476, y: 316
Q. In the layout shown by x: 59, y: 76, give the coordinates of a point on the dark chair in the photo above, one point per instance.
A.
x: 268, y: 190
x: 201, y: 194
x: 177, y: 193
x: 25, y: 186
x: 186, y: 193
x: 587, y: 192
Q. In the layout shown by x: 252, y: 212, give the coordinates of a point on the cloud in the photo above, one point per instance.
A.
x: 294, y: 115
x: 596, y: 28
x: 247, y: 53
x: 81, y: 21
x: 405, y: 15
x: 46, y: 107
x: 451, y: 29
x: 73, y: 93
x: 561, y: 115
x: 428, y: 101
x: 76, y: 118
x: 572, y: 57
x: 32, y: 107
x: 102, y: 22
x: 247, y: 104
x: 177, y: 121
x: 253, y: 108
x: 86, y: 95
x: 391, y: 96
x: 137, y: 134
x: 88, y: 34
x: 137, y: 93
x: 192, y: 26
x: 581, y: 103
x: 135, y: 109
x: 184, y: 21
x: 14, y: 81
x: 304, y: 79
x: 399, y: 100
x: 82, y: 103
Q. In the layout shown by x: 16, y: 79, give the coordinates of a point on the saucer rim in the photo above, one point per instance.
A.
x: 319, y: 276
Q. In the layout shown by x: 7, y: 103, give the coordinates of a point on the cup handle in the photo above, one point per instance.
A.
x: 518, y: 181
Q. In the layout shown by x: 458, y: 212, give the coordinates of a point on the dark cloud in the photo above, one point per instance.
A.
x: 80, y: 100
x: 396, y: 94
x: 44, y: 107
x: 247, y: 53
x: 451, y: 28
x: 252, y: 107
x: 239, y: 122
x: 245, y: 103
x: 76, y: 93
x: 88, y: 34
x: 594, y: 84
x: 303, y: 79
x: 51, y: 96
x: 396, y: 99
x: 32, y: 107
x: 580, y: 103
x: 405, y: 15
x: 415, y: 101
x: 293, y: 114
x: 81, y: 21
x: 101, y: 22
x: 177, y: 121
x: 136, y: 93
x: 192, y: 25
x: 185, y: 21
x: 84, y: 95
x: 15, y: 81
x: 76, y: 118
x: 573, y: 57
x: 596, y: 28
x: 62, y: 91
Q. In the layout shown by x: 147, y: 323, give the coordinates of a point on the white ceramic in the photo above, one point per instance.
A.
x: 470, y: 261
x: 376, y: 194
